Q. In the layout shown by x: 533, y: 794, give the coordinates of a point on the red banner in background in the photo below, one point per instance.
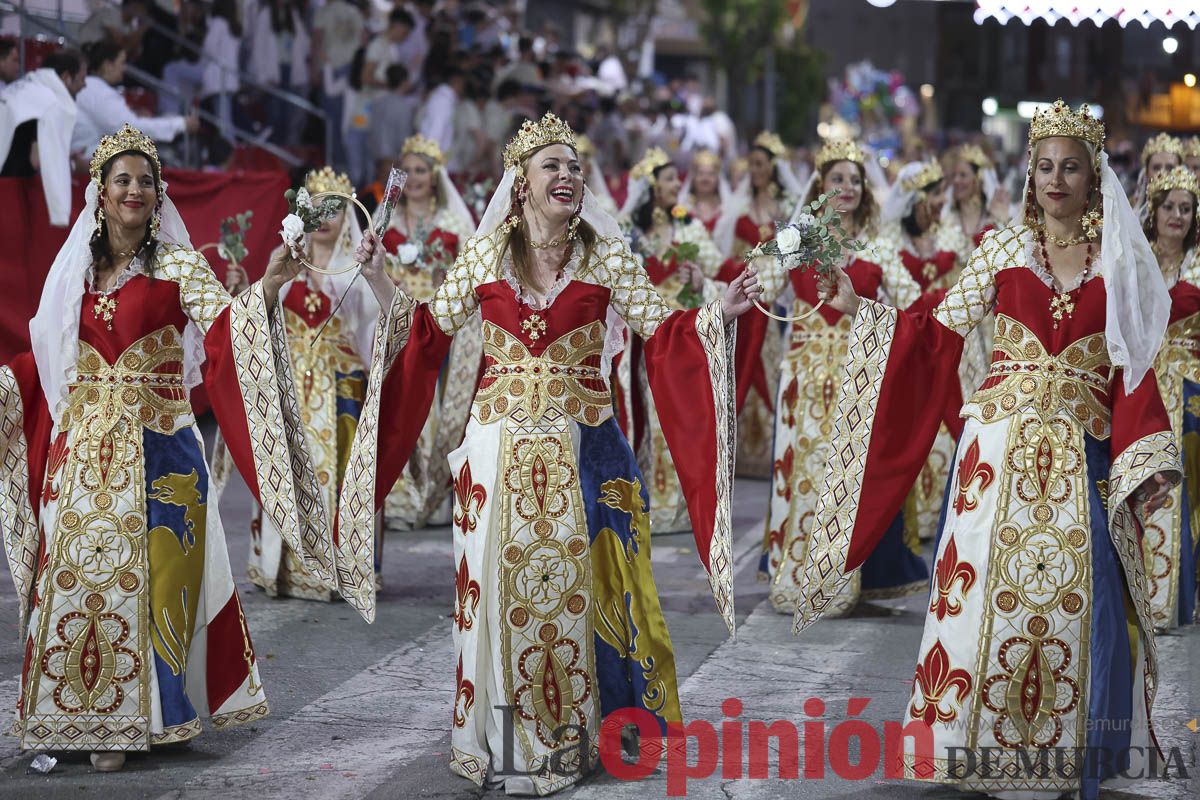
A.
x: 28, y: 244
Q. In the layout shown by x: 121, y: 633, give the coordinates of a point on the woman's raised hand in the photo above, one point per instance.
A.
x: 741, y: 294
x: 838, y: 293
x: 370, y: 255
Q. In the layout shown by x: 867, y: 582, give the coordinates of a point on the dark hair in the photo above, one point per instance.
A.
x: 281, y: 16
x: 774, y: 167
x: 643, y: 215
x: 228, y: 9
x: 7, y: 46
x: 909, y: 223
x: 397, y: 75
x: 975, y: 169
x: 508, y: 88
x: 401, y: 16
x: 101, y: 52
x: 525, y: 45
x: 102, y: 254
x: 68, y: 61
x: 358, y: 63
x: 867, y: 208
x: 1150, y: 226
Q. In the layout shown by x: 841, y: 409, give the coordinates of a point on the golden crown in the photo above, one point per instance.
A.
x: 1162, y: 143
x: 326, y: 180
x: 1191, y: 147
x: 840, y: 150
x: 1175, y: 178
x: 973, y: 154
x: 655, y: 158
x: 1060, y: 120
x: 128, y: 139
x: 930, y: 174
x: 533, y: 136
x: 584, y: 145
x: 423, y: 146
x: 706, y: 158
x: 771, y: 143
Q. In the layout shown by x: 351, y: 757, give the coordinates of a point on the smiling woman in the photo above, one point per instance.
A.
x: 132, y: 627
x: 556, y: 617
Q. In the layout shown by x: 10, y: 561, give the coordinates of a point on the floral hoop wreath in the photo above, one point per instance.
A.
x: 317, y: 197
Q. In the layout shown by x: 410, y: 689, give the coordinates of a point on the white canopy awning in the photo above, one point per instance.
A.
x: 1168, y: 12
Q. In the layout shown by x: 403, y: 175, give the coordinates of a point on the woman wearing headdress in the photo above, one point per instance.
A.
x: 767, y: 195
x: 1038, y: 634
x: 705, y: 191
x: 556, y: 618
x: 330, y: 353
x: 129, y: 619
x: 428, y: 228
x: 978, y: 202
x: 809, y: 383
x: 921, y: 241
x: 594, y: 176
x: 660, y: 226
x: 1170, y: 538
x: 1191, y: 155
x: 1159, y: 154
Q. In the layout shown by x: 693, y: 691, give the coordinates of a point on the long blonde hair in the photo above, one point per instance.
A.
x: 516, y: 243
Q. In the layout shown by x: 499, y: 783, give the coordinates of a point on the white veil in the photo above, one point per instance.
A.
x: 739, y: 202
x: 1137, y: 307
x: 452, y: 199
x: 54, y: 329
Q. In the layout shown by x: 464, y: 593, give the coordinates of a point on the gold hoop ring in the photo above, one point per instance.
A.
x: 805, y: 315
x: 370, y: 226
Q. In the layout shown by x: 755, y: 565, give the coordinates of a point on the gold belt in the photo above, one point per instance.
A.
x: 1051, y: 369
x: 564, y: 378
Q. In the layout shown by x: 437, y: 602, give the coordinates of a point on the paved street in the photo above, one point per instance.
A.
x: 362, y: 711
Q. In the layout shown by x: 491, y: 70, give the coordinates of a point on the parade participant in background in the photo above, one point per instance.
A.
x: 809, y: 384
x: 1029, y: 637
x: 978, y: 202
x: 427, y: 231
x: 1191, y: 155
x: 1160, y: 153
x: 767, y: 195
x: 680, y: 258
x: 556, y: 616
x: 705, y: 191
x: 330, y: 353
x: 1169, y: 541
x: 127, y: 608
x: 594, y: 175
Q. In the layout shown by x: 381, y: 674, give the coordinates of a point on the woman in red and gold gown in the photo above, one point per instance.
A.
x: 659, y: 226
x: 1170, y: 539
x: 129, y: 619
x: 430, y: 225
x: 705, y: 191
x: 767, y: 195
x: 1038, y: 633
x: 1159, y: 154
x: 809, y: 382
x: 556, y: 618
x: 978, y: 202
x: 330, y: 354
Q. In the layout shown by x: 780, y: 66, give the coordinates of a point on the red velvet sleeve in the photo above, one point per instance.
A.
x: 681, y: 381
x: 1135, y: 415
x: 225, y: 393
x: 37, y: 424
x: 406, y: 396
x: 922, y: 365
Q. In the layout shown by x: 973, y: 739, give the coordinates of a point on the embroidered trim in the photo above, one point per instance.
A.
x: 245, y: 715
x: 16, y: 513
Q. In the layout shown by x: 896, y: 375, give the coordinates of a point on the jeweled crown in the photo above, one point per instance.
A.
x: 1174, y: 178
x: 1191, y: 147
x: 706, y: 158
x: 423, y: 146
x: 840, y: 150
x: 771, y: 143
x: 973, y: 154
x: 1060, y: 120
x: 534, y: 136
x: 128, y: 139
x: 930, y: 174
x: 655, y: 158
x: 1162, y: 143
x: 584, y: 145
x: 326, y: 180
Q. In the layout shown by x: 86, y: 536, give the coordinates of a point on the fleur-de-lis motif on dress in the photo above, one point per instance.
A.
x: 936, y: 677
x: 972, y: 471
x: 950, y: 570
x: 469, y: 499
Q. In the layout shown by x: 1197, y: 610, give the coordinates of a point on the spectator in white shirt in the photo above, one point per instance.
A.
x: 37, y: 115
x: 437, y: 115
x: 388, y: 48
x: 337, y: 33
x: 279, y: 51
x: 102, y: 108
x: 10, y: 62
x: 222, y: 43
x: 123, y: 23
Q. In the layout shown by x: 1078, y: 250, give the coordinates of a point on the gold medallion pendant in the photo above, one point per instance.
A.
x: 1061, y: 305
x: 106, y: 306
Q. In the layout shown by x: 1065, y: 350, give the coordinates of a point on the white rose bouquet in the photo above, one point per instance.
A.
x: 816, y: 240
x: 303, y: 217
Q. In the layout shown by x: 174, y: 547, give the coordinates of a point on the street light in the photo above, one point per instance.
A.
x: 1170, y: 45
x: 882, y: 3
x: 990, y: 106
x: 927, y: 91
x: 1189, y: 80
